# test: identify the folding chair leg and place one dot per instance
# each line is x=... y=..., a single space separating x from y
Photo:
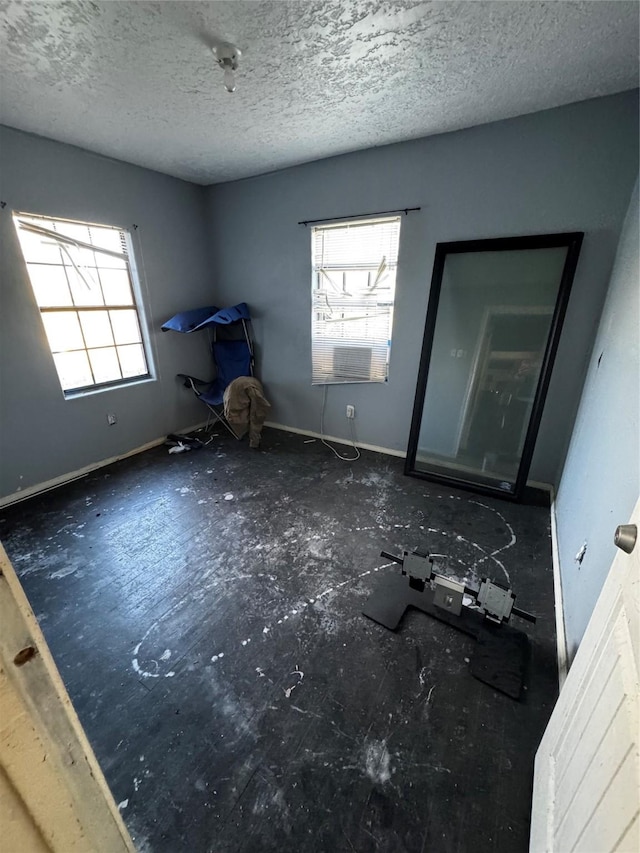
x=217 y=416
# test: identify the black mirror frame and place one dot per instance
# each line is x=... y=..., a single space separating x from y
x=573 y=242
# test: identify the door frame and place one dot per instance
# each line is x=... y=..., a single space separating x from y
x=55 y=790
x=572 y=241
x=490 y=312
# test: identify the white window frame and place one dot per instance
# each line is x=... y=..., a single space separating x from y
x=360 y=313
x=45 y=226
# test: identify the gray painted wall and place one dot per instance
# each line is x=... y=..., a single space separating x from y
x=42 y=435
x=566 y=169
x=601 y=478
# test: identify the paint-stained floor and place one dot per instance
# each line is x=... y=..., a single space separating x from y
x=204 y=612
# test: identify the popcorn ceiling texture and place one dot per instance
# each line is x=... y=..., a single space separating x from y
x=137 y=81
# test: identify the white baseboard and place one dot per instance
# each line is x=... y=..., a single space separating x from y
x=29 y=492
x=376 y=448
x=561 y=635
x=335 y=440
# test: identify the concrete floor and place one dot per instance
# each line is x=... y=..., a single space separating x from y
x=204 y=610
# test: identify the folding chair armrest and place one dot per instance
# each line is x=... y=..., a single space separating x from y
x=196 y=385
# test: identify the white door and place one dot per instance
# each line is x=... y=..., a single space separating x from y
x=586 y=795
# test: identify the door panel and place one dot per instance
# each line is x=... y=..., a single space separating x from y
x=587 y=775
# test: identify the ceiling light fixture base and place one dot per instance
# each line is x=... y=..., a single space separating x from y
x=227 y=56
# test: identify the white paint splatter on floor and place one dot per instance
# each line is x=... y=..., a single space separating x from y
x=151 y=669
x=64 y=572
x=300 y=674
x=377 y=761
x=145 y=673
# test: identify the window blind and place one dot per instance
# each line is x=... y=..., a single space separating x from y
x=354 y=275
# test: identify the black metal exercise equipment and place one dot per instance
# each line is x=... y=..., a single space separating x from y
x=501 y=655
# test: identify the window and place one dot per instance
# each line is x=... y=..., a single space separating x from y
x=354 y=277
x=83 y=280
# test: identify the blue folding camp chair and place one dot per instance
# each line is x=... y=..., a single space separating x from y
x=231 y=350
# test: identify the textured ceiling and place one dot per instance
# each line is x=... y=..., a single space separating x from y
x=137 y=80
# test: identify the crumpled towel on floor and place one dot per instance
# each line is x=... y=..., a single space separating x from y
x=245 y=407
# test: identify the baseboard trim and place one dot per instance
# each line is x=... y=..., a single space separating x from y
x=376 y=448
x=561 y=636
x=39 y=488
x=388 y=451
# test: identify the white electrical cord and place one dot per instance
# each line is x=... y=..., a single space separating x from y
x=326 y=443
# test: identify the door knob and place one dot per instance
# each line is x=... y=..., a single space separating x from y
x=625 y=537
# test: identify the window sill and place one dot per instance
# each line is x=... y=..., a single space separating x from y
x=114 y=386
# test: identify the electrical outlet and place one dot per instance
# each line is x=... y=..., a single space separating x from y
x=112 y=419
x=351 y=411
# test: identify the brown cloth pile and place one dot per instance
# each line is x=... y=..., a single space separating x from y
x=245 y=408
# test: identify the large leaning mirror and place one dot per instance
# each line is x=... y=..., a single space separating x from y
x=493 y=324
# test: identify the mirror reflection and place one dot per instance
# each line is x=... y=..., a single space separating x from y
x=492 y=327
